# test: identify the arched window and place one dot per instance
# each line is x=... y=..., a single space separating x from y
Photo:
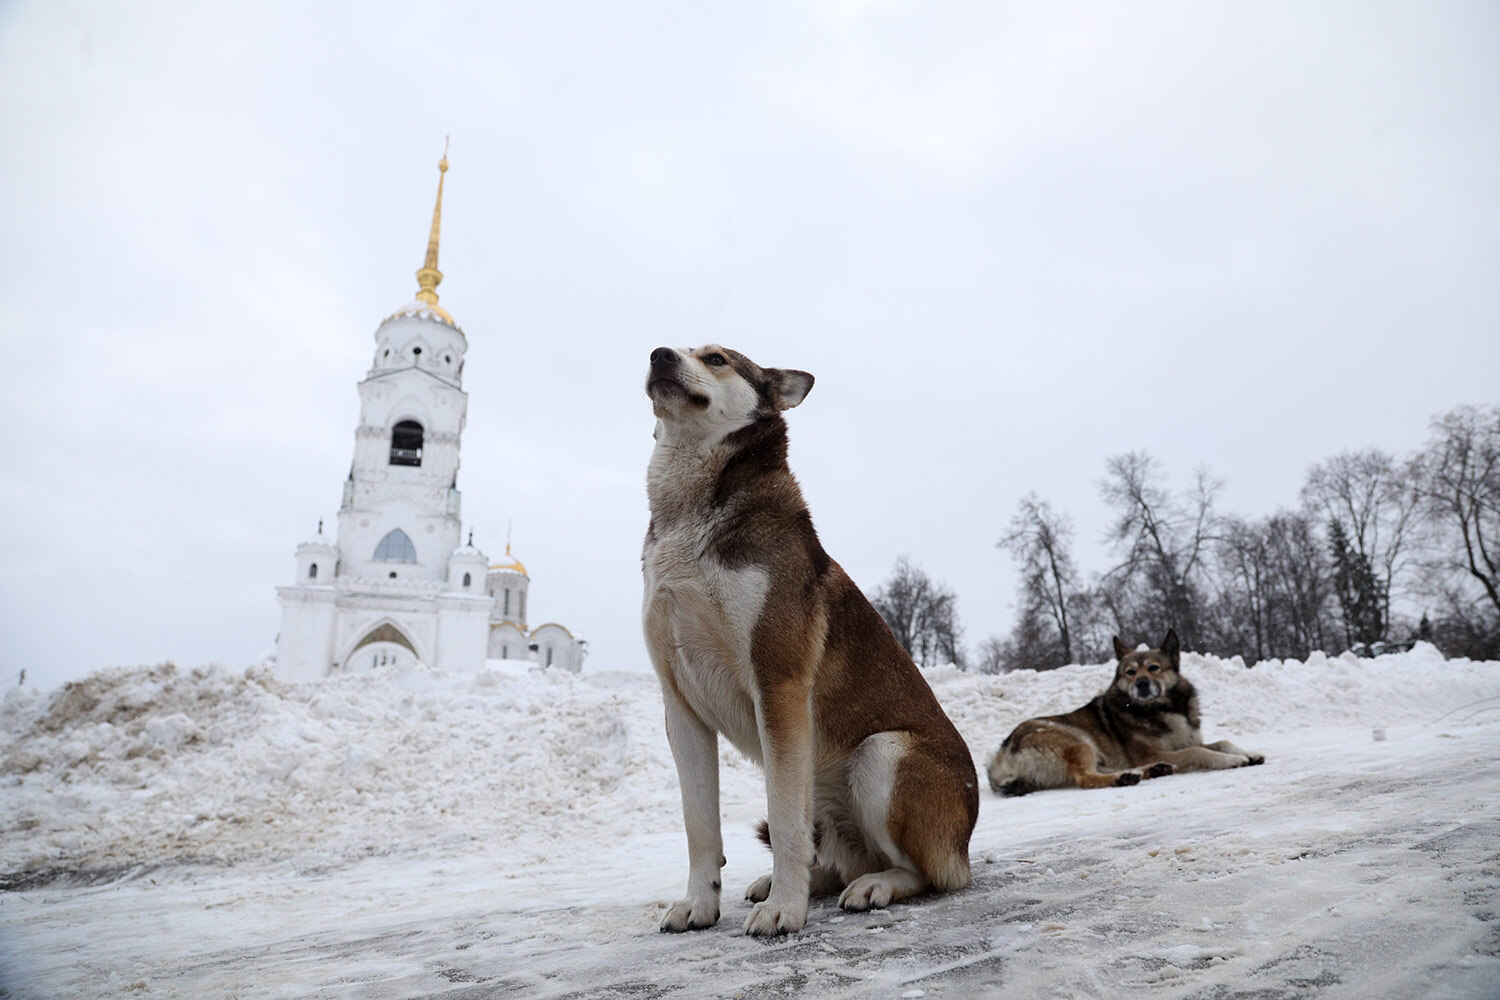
x=406 y=443
x=467 y=580
x=312 y=571
x=396 y=547
x=506 y=612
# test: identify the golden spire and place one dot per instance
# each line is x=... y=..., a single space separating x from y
x=428 y=276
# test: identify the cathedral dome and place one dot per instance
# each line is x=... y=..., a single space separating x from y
x=468 y=552
x=423 y=310
x=510 y=564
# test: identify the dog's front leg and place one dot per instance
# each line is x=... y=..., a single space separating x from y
x=695 y=749
x=1201 y=758
x=784 y=717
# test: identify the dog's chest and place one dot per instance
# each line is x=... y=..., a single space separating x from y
x=700 y=615
x=702 y=593
x=1179 y=733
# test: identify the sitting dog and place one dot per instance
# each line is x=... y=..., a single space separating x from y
x=1144 y=725
x=757 y=634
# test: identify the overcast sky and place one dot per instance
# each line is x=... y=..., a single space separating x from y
x=1010 y=240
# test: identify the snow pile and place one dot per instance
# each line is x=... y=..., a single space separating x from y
x=160 y=763
x=213 y=764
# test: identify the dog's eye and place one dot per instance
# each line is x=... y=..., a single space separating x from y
x=1153 y=668
x=717 y=360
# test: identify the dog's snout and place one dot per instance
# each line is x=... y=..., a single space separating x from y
x=1143 y=688
x=663 y=357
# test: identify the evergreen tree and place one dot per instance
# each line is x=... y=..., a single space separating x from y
x=1360 y=595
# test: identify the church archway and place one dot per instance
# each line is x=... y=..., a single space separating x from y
x=385 y=632
x=384 y=645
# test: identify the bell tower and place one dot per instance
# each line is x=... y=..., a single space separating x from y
x=399 y=518
x=398 y=585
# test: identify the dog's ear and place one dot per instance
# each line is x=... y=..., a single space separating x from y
x=1172 y=647
x=1121 y=650
x=789 y=386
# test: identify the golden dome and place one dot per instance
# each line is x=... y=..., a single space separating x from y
x=510 y=564
x=424 y=310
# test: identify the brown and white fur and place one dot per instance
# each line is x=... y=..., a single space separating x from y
x=1144 y=725
x=757 y=634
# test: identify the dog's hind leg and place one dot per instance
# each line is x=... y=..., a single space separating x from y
x=915 y=814
x=1083 y=769
x=878 y=890
x=695 y=749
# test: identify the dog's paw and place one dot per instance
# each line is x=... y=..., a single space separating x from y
x=690 y=915
x=768 y=919
x=1127 y=778
x=1160 y=770
x=759 y=889
x=868 y=892
x=1254 y=758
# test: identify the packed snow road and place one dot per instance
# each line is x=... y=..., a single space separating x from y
x=1345 y=866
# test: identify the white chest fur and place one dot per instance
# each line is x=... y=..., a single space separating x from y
x=700 y=618
x=1180 y=734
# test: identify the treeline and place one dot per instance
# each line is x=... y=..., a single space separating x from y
x=1378 y=549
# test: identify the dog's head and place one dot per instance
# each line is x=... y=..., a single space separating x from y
x=1150 y=675
x=713 y=391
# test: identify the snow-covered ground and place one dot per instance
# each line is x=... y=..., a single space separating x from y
x=213 y=833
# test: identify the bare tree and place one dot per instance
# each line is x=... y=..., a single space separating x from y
x=1301 y=579
x=1459 y=484
x=1370 y=496
x=1041 y=540
x=990 y=658
x=922 y=614
x=1164 y=542
x=1273 y=589
x=1243 y=620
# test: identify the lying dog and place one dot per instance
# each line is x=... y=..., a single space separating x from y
x=757 y=634
x=1144 y=725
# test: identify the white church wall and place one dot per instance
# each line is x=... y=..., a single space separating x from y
x=304 y=646
x=433 y=534
x=556 y=647
x=462 y=632
x=321 y=555
x=509 y=591
x=507 y=642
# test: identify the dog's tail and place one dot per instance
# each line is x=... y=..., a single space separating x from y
x=1013 y=787
x=763 y=832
